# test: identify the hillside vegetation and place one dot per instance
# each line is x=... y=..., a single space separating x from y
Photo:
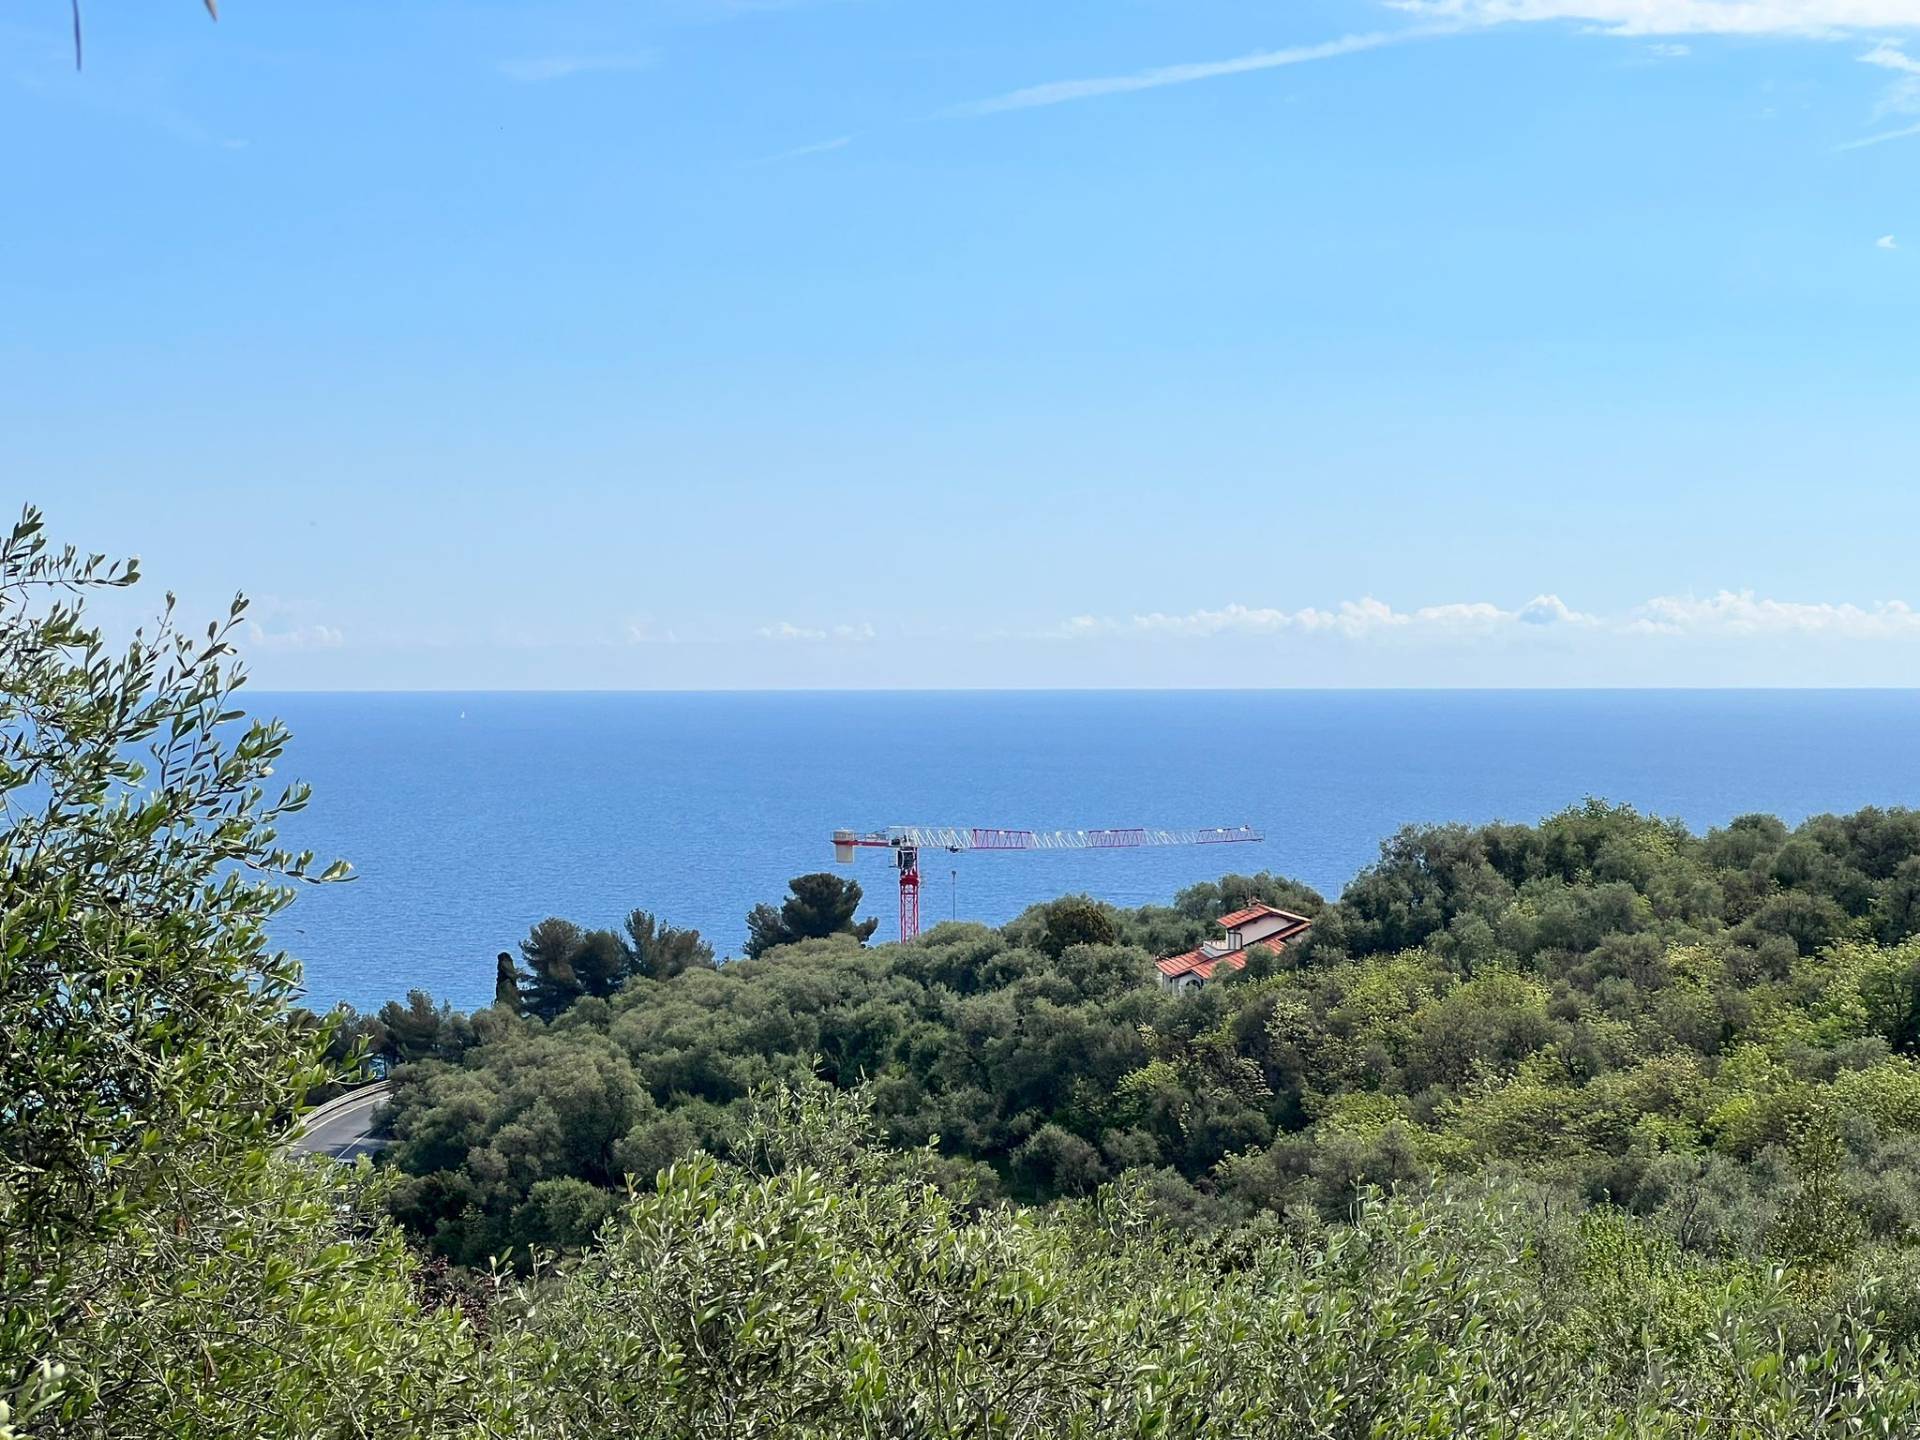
x=1714 y=1032
x=1586 y=1129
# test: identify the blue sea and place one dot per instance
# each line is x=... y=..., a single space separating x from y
x=468 y=817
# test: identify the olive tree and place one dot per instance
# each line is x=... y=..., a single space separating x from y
x=161 y=1265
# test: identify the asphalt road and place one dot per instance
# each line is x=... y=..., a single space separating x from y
x=344 y=1132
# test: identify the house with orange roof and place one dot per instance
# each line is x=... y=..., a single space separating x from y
x=1259 y=926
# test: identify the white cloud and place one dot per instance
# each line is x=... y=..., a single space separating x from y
x=1683 y=17
x=1823 y=19
x=1350 y=619
x=299 y=637
x=643 y=631
x=1742 y=613
x=786 y=630
x=1902 y=96
x=1477 y=615
x=1887 y=242
x=1889 y=56
x=1059 y=92
x=1550 y=610
x=1906 y=132
x=1726 y=613
x=839 y=142
x=537 y=69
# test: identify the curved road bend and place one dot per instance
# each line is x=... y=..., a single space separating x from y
x=343 y=1128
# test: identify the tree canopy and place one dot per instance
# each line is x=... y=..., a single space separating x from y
x=821 y=905
x=567 y=963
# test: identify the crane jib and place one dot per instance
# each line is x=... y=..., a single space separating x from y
x=907 y=841
x=936 y=837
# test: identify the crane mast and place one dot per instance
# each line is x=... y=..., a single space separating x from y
x=907 y=841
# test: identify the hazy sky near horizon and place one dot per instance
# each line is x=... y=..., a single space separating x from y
x=739 y=343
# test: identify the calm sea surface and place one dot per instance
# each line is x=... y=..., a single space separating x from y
x=469 y=817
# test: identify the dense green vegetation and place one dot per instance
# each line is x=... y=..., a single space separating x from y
x=1715 y=1032
x=1585 y=1129
x=162 y=1271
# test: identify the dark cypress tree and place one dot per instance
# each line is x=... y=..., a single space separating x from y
x=506 y=982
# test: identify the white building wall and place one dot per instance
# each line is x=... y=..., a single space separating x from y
x=1259 y=928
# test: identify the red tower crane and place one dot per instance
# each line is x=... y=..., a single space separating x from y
x=907 y=841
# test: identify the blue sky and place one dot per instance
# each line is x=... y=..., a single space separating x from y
x=714 y=343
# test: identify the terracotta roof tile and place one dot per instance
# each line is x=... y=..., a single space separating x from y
x=1179 y=964
x=1198 y=962
x=1255 y=912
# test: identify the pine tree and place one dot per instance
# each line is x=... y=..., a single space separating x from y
x=821 y=904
